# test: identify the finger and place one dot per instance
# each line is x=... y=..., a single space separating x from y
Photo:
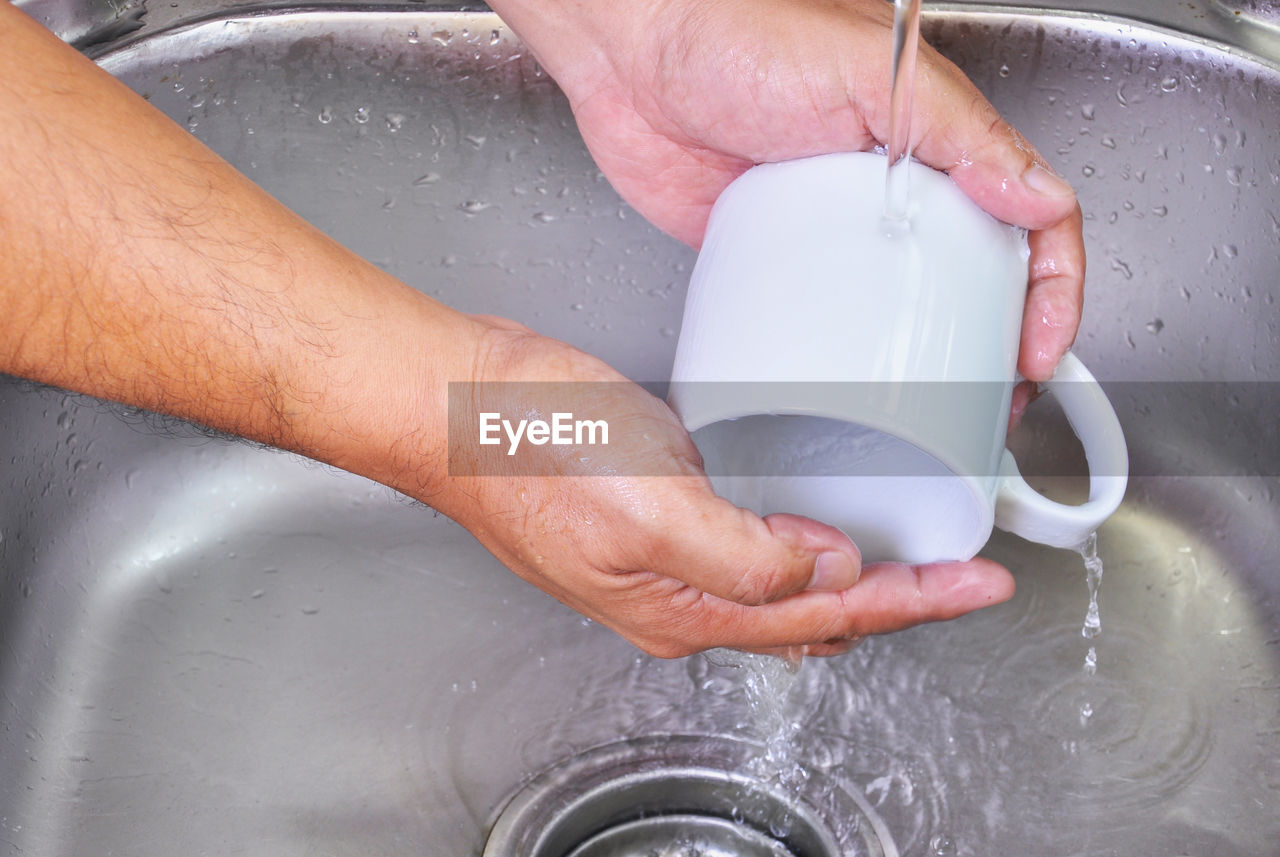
x=961 y=133
x=825 y=649
x=891 y=596
x=1023 y=395
x=1055 y=296
x=888 y=597
x=833 y=649
x=735 y=555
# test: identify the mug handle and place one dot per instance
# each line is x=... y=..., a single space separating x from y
x=1025 y=512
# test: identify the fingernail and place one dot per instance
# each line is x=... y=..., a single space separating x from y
x=1046 y=183
x=833 y=571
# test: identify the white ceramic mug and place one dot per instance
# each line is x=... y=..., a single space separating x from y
x=829 y=369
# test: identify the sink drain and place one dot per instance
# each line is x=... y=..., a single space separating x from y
x=704 y=835
x=682 y=796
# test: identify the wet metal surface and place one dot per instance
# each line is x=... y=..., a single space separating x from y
x=210 y=648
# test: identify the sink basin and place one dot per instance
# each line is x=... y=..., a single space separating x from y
x=211 y=648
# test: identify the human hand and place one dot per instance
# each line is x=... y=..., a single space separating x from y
x=634 y=537
x=675 y=99
x=249 y=320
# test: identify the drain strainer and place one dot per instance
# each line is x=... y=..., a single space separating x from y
x=682 y=796
x=677 y=835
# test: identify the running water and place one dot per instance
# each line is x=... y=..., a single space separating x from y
x=1093 y=578
x=906 y=41
x=768 y=683
x=1092 y=620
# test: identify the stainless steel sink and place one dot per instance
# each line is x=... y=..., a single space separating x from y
x=210 y=648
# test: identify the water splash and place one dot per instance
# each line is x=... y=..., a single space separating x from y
x=768 y=684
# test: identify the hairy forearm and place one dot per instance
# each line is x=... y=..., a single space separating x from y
x=136 y=265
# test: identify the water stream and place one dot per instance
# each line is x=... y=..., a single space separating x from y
x=770 y=717
x=1092 y=619
x=906 y=40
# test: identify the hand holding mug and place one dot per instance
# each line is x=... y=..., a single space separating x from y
x=833 y=367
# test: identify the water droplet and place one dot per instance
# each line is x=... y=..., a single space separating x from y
x=1109 y=142
x=1230 y=251
x=257 y=593
x=474 y=206
x=494 y=37
x=575 y=307
x=1233 y=176
x=1155 y=326
x=1086 y=112
x=1091 y=661
x=1169 y=84
x=395 y=121
x=1004 y=70
x=362 y=115
x=543 y=217
x=413 y=36
x=1123 y=267
x=667 y=332
x=442 y=37
x=1219 y=143
x=310 y=610
x=1160 y=210
x=1087 y=170
x=1086 y=711
x=326 y=115
x=476 y=140
x=942 y=846
x=429 y=178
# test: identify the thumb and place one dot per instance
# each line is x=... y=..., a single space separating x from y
x=736 y=555
x=962 y=134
